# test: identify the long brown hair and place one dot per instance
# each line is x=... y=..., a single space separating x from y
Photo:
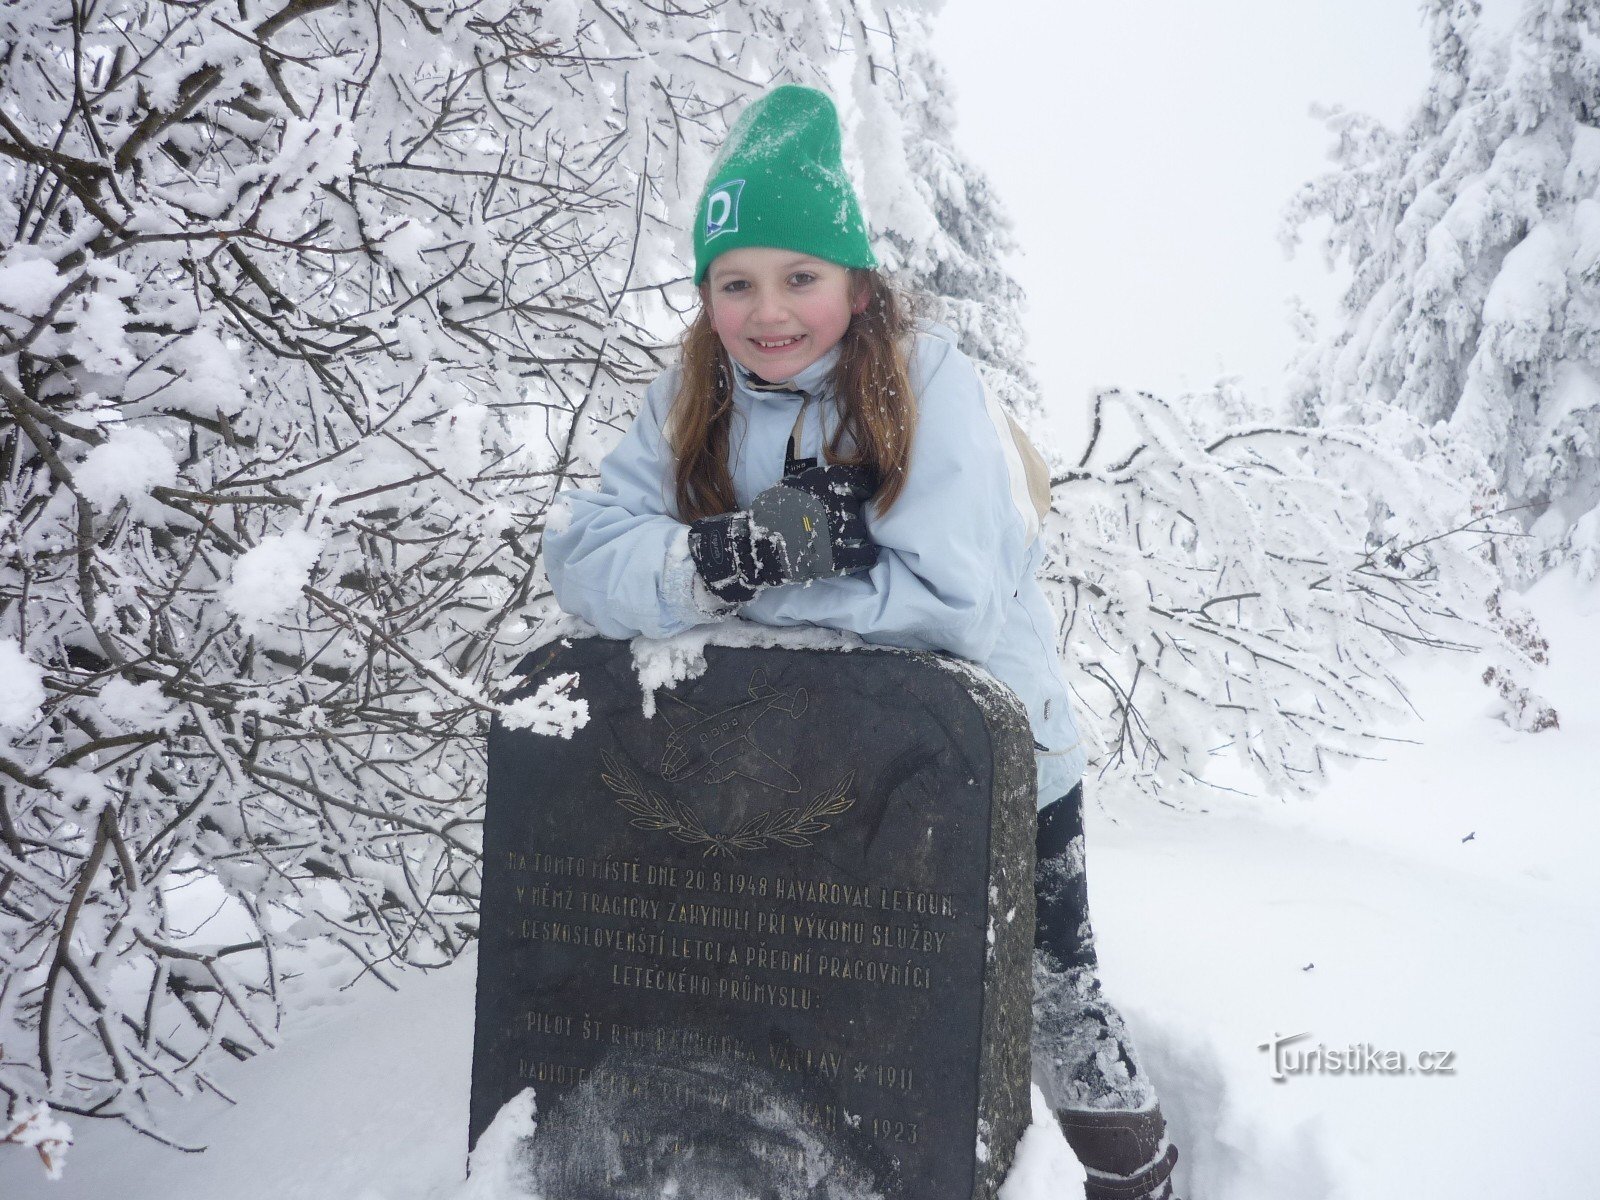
x=872 y=381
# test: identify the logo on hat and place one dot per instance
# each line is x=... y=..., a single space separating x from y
x=722 y=209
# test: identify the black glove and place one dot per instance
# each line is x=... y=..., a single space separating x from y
x=841 y=490
x=807 y=527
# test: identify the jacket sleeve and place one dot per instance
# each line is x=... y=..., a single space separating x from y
x=953 y=546
x=617 y=557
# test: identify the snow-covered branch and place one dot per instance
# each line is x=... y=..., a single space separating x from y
x=306 y=311
x=1225 y=590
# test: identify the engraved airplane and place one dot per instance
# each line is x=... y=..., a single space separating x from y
x=717 y=746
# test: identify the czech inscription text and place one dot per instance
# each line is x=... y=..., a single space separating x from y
x=741 y=937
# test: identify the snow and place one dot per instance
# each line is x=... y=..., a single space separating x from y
x=1527 y=297
x=551 y=710
x=206 y=378
x=559 y=516
x=137 y=705
x=126 y=466
x=1441 y=899
x=267 y=578
x=560 y=18
x=1045 y=1167
x=1364 y=915
x=21 y=686
x=1574 y=396
x=1583 y=171
x=98 y=323
x=367 y=1102
x=494 y=1159
x=1586 y=228
x=667 y=662
x=47 y=1136
x=404 y=246
x=28 y=286
x=458 y=444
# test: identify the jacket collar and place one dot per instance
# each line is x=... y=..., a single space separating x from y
x=812 y=381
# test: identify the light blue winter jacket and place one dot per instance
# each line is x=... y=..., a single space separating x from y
x=959 y=548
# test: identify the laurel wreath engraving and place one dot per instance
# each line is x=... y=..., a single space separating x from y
x=787 y=826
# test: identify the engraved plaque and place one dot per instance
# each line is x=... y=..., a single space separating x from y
x=773 y=939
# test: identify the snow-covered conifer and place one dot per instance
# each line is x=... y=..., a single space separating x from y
x=1473 y=238
x=943 y=228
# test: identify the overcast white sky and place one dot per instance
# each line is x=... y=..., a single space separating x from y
x=1146 y=151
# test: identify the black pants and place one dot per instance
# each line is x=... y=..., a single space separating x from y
x=1083 y=1057
x=1079 y=1037
x=1061 y=889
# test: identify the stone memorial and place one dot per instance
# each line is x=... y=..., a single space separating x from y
x=765 y=933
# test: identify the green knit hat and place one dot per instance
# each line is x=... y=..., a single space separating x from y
x=780 y=181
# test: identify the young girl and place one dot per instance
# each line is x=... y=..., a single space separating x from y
x=816 y=461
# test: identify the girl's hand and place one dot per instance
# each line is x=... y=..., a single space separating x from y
x=808 y=527
x=841 y=491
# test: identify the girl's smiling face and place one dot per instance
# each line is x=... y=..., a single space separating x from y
x=778 y=311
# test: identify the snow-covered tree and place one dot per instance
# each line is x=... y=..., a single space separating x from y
x=944 y=231
x=307 y=308
x=1473 y=239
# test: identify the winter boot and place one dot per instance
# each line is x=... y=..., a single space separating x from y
x=1125 y=1154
